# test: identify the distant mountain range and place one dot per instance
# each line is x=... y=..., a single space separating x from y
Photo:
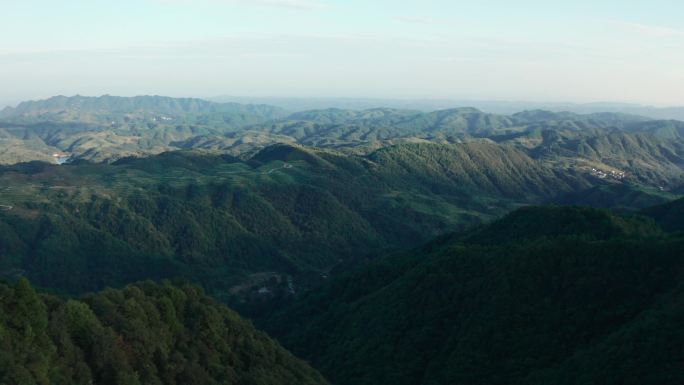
x=108 y=128
x=492 y=106
x=83 y=107
x=296 y=104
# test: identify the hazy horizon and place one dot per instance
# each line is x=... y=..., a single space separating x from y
x=341 y=101
x=531 y=51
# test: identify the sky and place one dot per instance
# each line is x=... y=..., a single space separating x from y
x=523 y=50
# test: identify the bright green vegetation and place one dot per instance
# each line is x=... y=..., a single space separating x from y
x=143 y=334
x=606 y=145
x=546 y=295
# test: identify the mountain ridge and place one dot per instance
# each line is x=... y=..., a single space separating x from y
x=119 y=104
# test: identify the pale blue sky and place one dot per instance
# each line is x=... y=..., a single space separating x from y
x=580 y=51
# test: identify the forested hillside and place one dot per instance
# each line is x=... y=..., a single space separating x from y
x=143 y=334
x=385 y=246
x=237 y=226
x=668 y=215
x=544 y=296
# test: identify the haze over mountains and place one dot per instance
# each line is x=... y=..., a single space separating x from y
x=295 y=104
x=109 y=128
x=382 y=245
x=492 y=106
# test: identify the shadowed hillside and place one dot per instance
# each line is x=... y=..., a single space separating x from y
x=543 y=296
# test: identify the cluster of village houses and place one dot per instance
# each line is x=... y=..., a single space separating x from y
x=605 y=174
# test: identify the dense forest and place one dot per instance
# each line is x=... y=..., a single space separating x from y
x=280 y=220
x=382 y=246
x=145 y=333
x=547 y=295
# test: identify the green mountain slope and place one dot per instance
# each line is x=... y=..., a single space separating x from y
x=286 y=212
x=620 y=196
x=143 y=334
x=642 y=157
x=530 y=223
x=606 y=145
x=668 y=215
x=546 y=295
x=347 y=127
x=336 y=127
x=503 y=170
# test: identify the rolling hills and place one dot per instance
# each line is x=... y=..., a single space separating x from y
x=107 y=128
